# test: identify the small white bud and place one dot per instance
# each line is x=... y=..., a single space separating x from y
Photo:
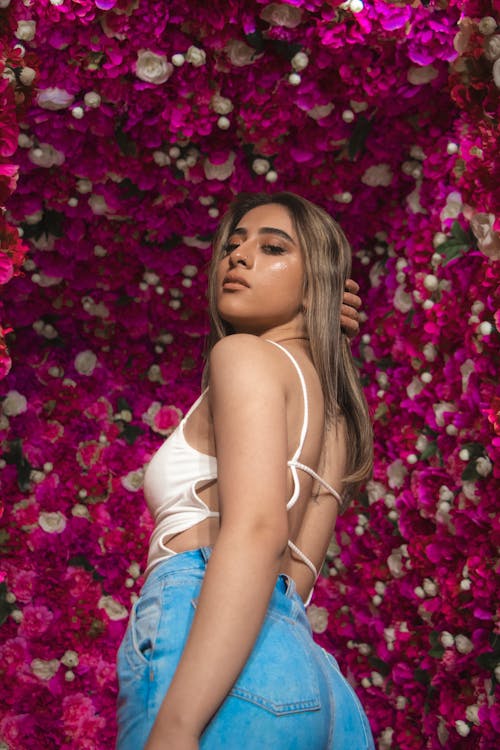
x=300 y=61
x=485 y=328
x=348 y=115
x=178 y=60
x=271 y=176
x=294 y=79
x=78 y=113
x=431 y=282
x=462 y=728
x=223 y=123
x=464 y=454
x=356 y=6
x=452 y=148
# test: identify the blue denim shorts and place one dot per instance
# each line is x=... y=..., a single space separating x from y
x=289 y=696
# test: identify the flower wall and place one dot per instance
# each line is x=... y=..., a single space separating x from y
x=148 y=118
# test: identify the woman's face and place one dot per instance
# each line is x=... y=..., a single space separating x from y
x=261 y=272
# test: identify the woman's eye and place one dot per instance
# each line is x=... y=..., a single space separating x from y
x=273 y=249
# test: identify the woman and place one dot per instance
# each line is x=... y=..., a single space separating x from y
x=245 y=494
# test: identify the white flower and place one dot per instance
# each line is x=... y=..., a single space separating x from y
x=45 y=155
x=196 y=56
x=84 y=186
x=133 y=480
x=26 y=30
x=282 y=14
x=260 y=166
x=92 y=99
x=402 y=300
x=27 y=76
x=419 y=74
x=431 y=282
x=318 y=618
x=14 y=403
x=240 y=53
x=320 y=111
x=113 y=609
x=52 y=523
x=219 y=171
x=487 y=25
x=462 y=728
x=85 y=362
x=70 y=659
x=300 y=61
x=413 y=199
x=54 y=98
x=447 y=639
x=396 y=472
x=453 y=206
x=152 y=68
x=463 y=644
x=44 y=669
x=440 y=409
x=375 y=491
x=483 y=466
x=466 y=370
x=221 y=104
x=492 y=47
x=98 y=204
x=378 y=174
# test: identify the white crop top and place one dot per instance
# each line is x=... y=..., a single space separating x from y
x=177 y=468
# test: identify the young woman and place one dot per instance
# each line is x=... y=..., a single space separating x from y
x=245 y=493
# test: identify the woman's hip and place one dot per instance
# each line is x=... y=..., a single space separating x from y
x=289 y=694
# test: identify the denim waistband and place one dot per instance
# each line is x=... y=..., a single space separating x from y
x=192 y=564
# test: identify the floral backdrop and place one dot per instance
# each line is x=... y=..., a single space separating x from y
x=126 y=126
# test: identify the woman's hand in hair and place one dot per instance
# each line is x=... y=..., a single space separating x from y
x=349 y=315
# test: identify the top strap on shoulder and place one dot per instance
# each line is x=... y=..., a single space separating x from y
x=305 y=423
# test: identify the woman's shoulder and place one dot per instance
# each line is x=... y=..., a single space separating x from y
x=239 y=348
x=244 y=358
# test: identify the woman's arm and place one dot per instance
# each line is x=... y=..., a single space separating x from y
x=247 y=396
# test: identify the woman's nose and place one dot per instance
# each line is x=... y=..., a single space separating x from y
x=239 y=256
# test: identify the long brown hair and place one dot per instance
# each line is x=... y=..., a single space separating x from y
x=327 y=264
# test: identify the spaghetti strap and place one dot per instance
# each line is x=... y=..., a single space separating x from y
x=193 y=406
x=322 y=481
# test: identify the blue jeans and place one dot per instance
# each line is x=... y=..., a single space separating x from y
x=290 y=694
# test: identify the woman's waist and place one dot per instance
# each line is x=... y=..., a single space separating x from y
x=187 y=569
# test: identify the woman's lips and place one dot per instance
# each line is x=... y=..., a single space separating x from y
x=234 y=282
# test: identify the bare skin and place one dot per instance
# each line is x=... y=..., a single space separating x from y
x=251 y=419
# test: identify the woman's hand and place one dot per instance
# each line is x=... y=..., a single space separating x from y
x=349 y=315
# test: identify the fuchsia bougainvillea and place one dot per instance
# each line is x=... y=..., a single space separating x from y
x=148 y=117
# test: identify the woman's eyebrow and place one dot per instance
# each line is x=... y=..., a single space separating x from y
x=241 y=231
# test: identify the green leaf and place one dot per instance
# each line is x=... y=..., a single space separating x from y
x=470 y=472
x=16 y=456
x=381 y=411
x=459 y=233
x=379 y=665
x=358 y=138
x=130 y=433
x=255 y=40
x=123 y=404
x=422 y=676
x=489 y=660
x=5 y=607
x=430 y=450
x=125 y=143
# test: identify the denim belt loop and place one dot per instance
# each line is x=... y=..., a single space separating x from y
x=205 y=553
